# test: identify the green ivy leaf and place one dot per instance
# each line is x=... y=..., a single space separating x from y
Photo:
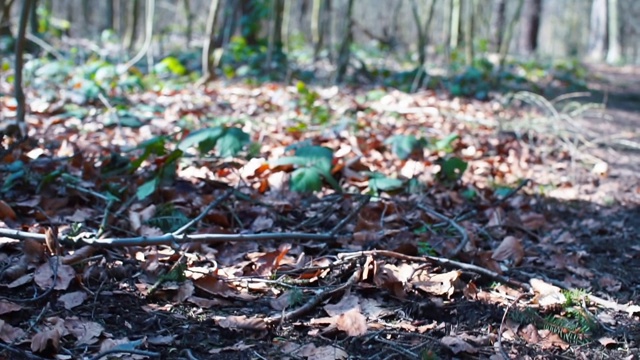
x=382 y=183
x=306 y=180
x=172 y=65
x=147 y=189
x=204 y=139
x=232 y=141
x=402 y=145
x=453 y=168
x=445 y=144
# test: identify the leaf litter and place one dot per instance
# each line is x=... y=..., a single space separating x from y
x=226 y=220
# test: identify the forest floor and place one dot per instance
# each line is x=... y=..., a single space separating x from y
x=483 y=267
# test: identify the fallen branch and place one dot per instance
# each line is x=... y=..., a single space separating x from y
x=460 y=229
x=439 y=261
x=168 y=239
x=314 y=301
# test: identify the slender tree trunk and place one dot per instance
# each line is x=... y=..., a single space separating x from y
x=614 y=52
x=19 y=61
x=286 y=26
x=344 y=52
x=5 y=20
x=109 y=16
x=207 y=65
x=422 y=29
x=188 y=14
x=132 y=24
x=275 y=31
x=469 y=7
x=508 y=34
x=454 y=35
x=33 y=18
x=148 y=37
x=497 y=24
x=530 y=26
x=597 y=31
x=86 y=16
x=317 y=35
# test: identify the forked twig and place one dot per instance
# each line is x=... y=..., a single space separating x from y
x=458 y=227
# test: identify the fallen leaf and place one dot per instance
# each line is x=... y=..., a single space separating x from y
x=352 y=322
x=72 y=299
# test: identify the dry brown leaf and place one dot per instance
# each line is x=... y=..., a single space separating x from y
x=347 y=303
x=86 y=332
x=547 y=294
x=78 y=255
x=439 y=284
x=72 y=299
x=509 y=249
x=241 y=346
x=43 y=275
x=7 y=307
x=6 y=212
x=457 y=345
x=261 y=223
x=241 y=322
x=9 y=334
x=352 y=322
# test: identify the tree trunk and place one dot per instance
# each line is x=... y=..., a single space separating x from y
x=508 y=34
x=344 y=53
x=614 y=51
x=108 y=16
x=597 y=31
x=5 y=20
x=188 y=14
x=132 y=24
x=422 y=29
x=454 y=34
x=530 y=26
x=469 y=7
x=33 y=18
x=497 y=24
x=250 y=22
x=275 y=30
x=207 y=65
x=19 y=61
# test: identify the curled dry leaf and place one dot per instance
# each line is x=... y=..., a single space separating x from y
x=509 y=249
x=352 y=322
x=51 y=241
x=547 y=294
x=44 y=276
x=78 y=255
x=86 y=332
x=7 y=307
x=6 y=212
x=72 y=299
x=9 y=334
x=242 y=323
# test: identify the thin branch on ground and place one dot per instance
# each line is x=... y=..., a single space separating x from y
x=439 y=261
x=126 y=351
x=217 y=202
x=504 y=318
x=315 y=300
x=458 y=227
x=349 y=217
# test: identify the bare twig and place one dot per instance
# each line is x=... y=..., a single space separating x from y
x=314 y=301
x=460 y=229
x=504 y=318
x=126 y=351
x=436 y=260
x=355 y=212
x=217 y=202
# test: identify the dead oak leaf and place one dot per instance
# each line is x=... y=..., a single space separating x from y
x=44 y=275
x=72 y=299
x=352 y=322
x=9 y=334
x=7 y=307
